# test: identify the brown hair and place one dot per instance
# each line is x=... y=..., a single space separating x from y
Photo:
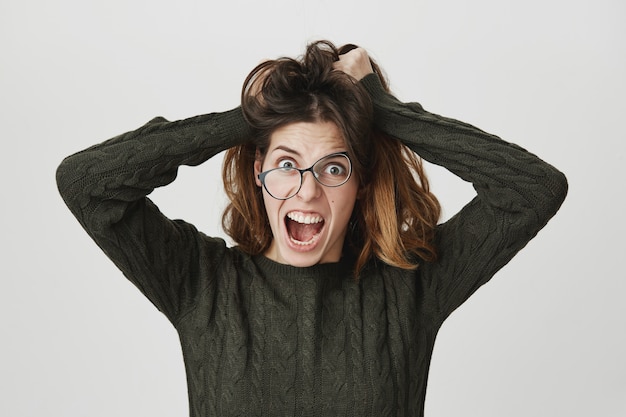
x=395 y=215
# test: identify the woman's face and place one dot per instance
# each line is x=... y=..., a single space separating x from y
x=310 y=227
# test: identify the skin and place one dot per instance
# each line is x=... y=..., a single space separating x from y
x=306 y=143
x=303 y=144
x=355 y=63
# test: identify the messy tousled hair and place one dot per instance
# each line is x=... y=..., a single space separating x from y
x=395 y=215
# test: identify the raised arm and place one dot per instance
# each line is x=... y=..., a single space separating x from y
x=517 y=193
x=105 y=187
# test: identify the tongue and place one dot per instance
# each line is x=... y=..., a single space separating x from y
x=303 y=232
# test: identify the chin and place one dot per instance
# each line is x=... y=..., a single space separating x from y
x=299 y=259
x=299 y=256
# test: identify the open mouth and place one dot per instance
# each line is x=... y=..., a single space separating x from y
x=304 y=229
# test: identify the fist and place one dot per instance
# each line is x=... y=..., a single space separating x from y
x=355 y=63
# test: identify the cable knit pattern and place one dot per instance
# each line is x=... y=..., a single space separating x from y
x=265 y=339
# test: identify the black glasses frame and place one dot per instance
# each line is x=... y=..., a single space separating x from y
x=263 y=174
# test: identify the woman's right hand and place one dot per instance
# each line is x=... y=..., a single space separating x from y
x=355 y=63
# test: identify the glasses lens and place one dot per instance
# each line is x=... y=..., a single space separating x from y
x=282 y=183
x=333 y=170
x=330 y=171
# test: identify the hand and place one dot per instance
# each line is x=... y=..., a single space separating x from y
x=355 y=63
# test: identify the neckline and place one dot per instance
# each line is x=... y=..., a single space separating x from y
x=342 y=268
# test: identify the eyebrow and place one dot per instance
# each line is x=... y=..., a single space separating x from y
x=286 y=149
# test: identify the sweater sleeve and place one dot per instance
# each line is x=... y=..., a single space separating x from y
x=517 y=193
x=105 y=187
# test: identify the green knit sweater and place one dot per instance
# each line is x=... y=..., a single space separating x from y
x=265 y=339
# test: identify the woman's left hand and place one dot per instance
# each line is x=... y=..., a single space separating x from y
x=355 y=63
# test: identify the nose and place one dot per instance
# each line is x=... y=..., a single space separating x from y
x=310 y=188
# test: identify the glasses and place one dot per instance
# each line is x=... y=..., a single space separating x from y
x=285 y=181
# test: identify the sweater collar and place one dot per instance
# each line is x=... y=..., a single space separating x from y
x=341 y=269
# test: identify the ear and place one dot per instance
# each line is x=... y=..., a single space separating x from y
x=258 y=164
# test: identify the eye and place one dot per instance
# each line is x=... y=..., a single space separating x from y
x=335 y=169
x=286 y=163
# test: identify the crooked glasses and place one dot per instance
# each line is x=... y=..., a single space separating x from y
x=285 y=181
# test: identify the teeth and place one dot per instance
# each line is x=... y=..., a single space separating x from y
x=304 y=219
x=297 y=242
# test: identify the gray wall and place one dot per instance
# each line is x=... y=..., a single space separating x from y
x=544 y=338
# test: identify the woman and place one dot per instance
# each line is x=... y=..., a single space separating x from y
x=331 y=301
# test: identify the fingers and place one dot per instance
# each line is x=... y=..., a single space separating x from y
x=355 y=63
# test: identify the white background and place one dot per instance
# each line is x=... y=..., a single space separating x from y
x=545 y=338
